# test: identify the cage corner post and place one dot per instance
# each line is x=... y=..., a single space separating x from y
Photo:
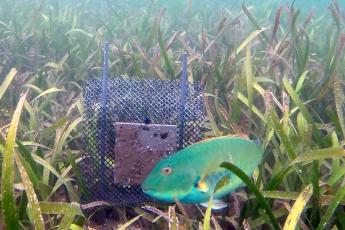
x=183 y=99
x=103 y=116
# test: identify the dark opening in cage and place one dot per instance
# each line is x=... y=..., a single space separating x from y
x=128 y=125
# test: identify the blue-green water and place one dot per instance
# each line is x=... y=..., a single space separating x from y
x=261 y=9
x=304 y=5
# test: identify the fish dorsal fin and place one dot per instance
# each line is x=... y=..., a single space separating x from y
x=241 y=135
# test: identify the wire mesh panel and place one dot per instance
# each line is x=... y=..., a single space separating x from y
x=139 y=101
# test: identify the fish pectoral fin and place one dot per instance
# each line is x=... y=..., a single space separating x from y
x=216 y=204
x=212 y=182
x=202 y=186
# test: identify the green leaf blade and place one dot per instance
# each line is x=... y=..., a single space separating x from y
x=252 y=187
x=33 y=203
x=8 y=79
x=331 y=209
x=7 y=176
x=298 y=207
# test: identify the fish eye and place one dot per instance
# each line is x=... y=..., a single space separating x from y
x=166 y=170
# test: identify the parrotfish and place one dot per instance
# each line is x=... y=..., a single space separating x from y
x=191 y=174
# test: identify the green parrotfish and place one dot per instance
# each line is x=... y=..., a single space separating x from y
x=191 y=174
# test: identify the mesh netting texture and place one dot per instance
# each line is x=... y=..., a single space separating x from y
x=132 y=100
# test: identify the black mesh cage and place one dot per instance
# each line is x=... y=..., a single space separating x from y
x=132 y=100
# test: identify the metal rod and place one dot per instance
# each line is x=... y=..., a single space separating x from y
x=105 y=74
x=103 y=113
x=183 y=100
